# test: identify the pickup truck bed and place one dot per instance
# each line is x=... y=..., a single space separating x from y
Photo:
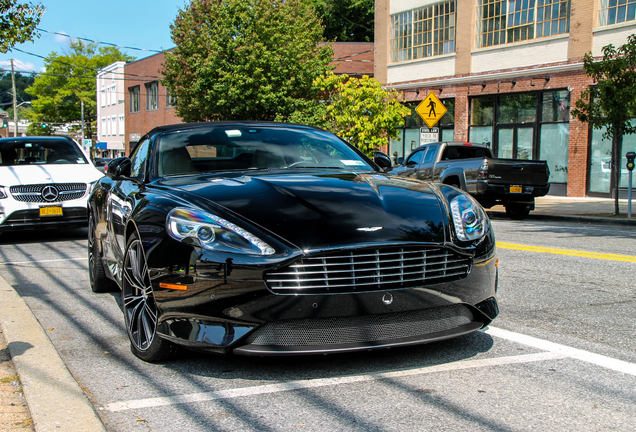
x=514 y=183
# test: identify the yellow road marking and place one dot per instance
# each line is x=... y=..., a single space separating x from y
x=567 y=252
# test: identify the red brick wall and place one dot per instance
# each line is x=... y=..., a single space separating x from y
x=138 y=74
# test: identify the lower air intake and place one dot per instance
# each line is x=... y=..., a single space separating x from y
x=360 y=329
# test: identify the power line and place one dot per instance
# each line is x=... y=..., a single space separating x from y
x=98 y=42
x=84 y=67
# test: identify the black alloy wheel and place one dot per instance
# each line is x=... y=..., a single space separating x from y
x=100 y=283
x=140 y=308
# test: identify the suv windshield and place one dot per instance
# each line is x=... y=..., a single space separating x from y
x=40 y=152
x=245 y=148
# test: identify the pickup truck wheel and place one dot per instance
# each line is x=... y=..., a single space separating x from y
x=517 y=211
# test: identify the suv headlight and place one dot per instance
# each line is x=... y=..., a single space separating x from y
x=469 y=218
x=3 y=192
x=212 y=232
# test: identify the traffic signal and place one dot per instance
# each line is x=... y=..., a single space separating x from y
x=5 y=123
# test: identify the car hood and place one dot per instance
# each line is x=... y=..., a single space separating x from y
x=49 y=173
x=327 y=209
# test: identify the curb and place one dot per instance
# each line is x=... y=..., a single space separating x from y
x=568 y=218
x=55 y=399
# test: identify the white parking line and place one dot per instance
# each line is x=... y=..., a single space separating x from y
x=323 y=382
x=586 y=356
x=44 y=261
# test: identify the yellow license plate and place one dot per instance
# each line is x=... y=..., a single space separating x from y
x=516 y=189
x=51 y=211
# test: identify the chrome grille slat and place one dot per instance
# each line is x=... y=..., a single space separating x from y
x=369 y=270
x=463 y=266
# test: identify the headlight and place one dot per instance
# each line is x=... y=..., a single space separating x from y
x=3 y=192
x=212 y=232
x=469 y=218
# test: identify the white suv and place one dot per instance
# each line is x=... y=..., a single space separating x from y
x=44 y=183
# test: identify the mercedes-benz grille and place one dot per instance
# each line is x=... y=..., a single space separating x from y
x=363 y=270
x=48 y=193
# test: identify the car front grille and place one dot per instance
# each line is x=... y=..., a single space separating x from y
x=361 y=329
x=364 y=270
x=55 y=192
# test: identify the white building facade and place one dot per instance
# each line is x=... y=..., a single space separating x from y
x=111 y=122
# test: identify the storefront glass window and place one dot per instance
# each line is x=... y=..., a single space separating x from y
x=482 y=111
x=554 y=140
x=481 y=135
x=600 y=162
x=517 y=108
x=555 y=106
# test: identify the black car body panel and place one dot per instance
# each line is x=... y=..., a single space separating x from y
x=359 y=258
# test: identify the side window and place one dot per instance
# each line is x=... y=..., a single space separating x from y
x=430 y=154
x=416 y=157
x=139 y=159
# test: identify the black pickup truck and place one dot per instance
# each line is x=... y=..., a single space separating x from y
x=514 y=183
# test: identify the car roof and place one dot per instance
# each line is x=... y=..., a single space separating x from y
x=35 y=138
x=183 y=126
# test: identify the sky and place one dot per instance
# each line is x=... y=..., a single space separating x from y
x=143 y=24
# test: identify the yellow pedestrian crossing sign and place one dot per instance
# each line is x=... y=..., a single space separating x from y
x=431 y=109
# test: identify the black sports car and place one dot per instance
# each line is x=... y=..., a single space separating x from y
x=272 y=239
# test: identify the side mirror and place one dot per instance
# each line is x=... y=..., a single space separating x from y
x=382 y=160
x=119 y=168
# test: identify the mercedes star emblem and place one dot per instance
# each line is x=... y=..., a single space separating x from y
x=50 y=193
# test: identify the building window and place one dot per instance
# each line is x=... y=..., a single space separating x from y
x=121 y=124
x=171 y=100
x=508 y=21
x=103 y=126
x=103 y=97
x=152 y=96
x=423 y=32
x=133 y=93
x=616 y=11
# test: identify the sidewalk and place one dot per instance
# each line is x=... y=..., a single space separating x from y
x=57 y=403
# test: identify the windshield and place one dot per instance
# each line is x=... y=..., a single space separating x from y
x=40 y=152
x=245 y=148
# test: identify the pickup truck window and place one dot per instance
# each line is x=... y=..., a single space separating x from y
x=430 y=154
x=415 y=157
x=464 y=152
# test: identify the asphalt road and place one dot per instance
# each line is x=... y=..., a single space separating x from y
x=561 y=356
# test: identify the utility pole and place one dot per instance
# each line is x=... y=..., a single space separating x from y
x=15 y=107
x=82 y=105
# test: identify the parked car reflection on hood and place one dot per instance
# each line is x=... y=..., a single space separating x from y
x=261 y=238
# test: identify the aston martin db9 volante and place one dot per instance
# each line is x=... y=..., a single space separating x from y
x=44 y=183
x=276 y=239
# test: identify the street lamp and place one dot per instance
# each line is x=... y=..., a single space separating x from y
x=15 y=116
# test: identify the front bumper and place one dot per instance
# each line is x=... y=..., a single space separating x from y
x=242 y=316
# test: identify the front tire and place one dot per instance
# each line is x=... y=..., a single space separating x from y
x=100 y=283
x=140 y=308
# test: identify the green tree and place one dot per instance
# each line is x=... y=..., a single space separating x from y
x=358 y=110
x=347 y=20
x=611 y=102
x=70 y=80
x=21 y=83
x=18 y=23
x=244 y=59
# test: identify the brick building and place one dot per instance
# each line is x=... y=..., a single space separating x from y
x=508 y=72
x=148 y=104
